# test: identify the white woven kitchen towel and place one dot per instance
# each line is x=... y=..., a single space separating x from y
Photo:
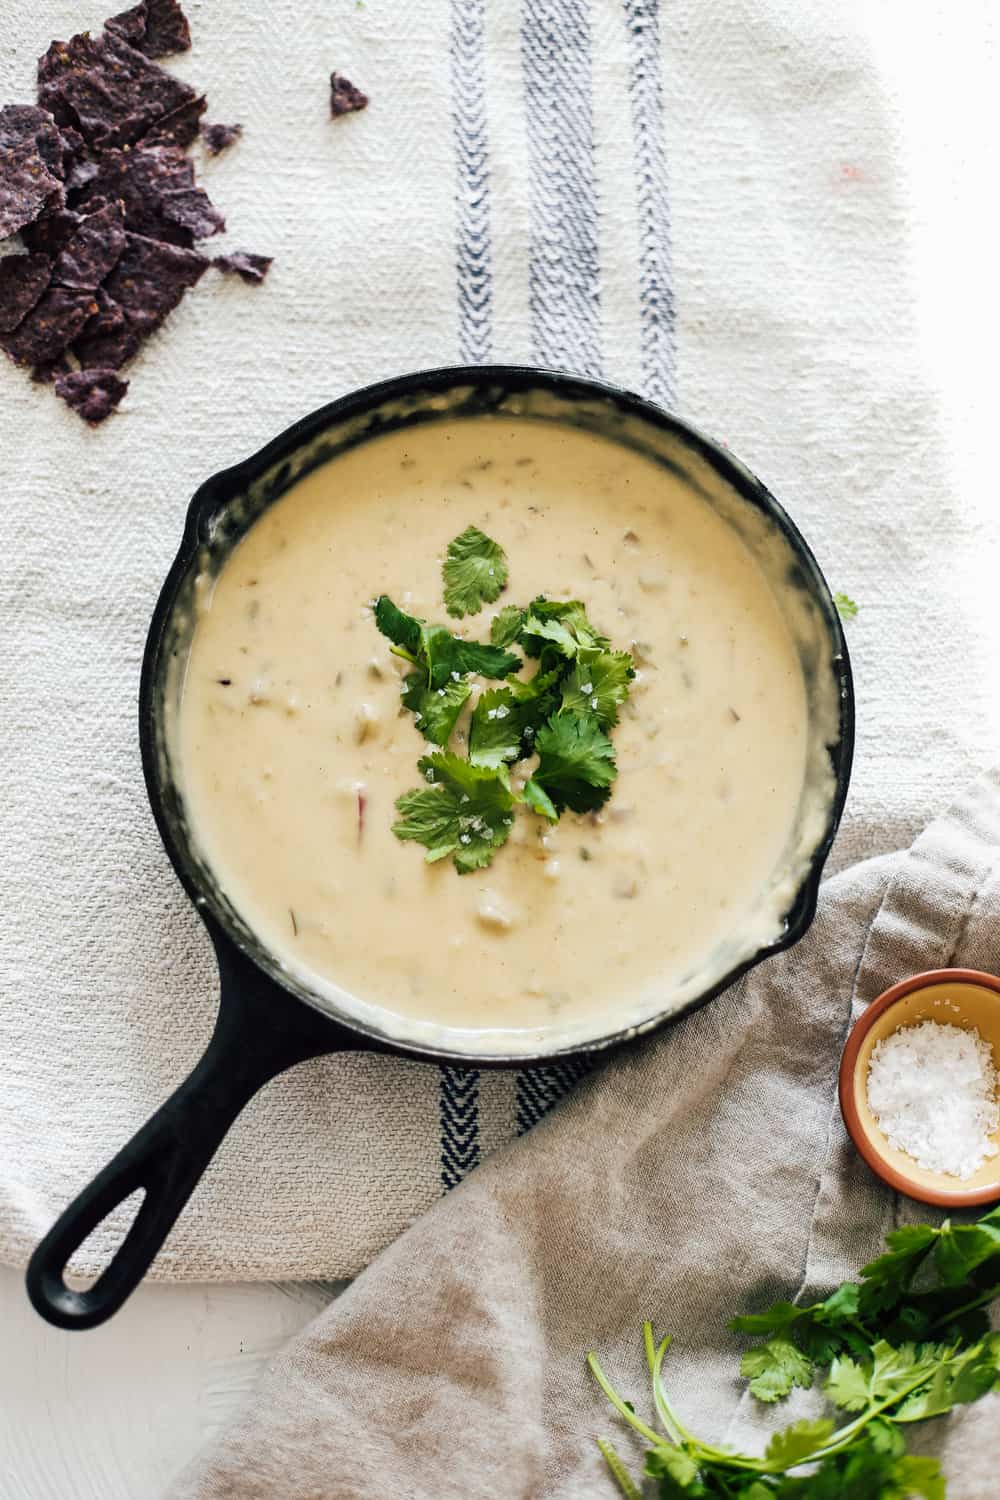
x=700 y=200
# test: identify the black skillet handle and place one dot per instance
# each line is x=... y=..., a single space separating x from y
x=259 y=1033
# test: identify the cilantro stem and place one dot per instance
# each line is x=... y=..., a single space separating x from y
x=406 y=655
x=648 y=1433
x=967 y=1307
x=654 y=1358
x=618 y=1471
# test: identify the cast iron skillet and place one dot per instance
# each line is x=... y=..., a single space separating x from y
x=267 y=1020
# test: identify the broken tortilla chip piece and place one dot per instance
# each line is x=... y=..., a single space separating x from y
x=31 y=153
x=345 y=99
x=50 y=327
x=92 y=393
x=156 y=28
x=179 y=128
x=218 y=137
x=157 y=190
x=93 y=251
x=23 y=279
x=105 y=89
x=146 y=285
x=244 y=263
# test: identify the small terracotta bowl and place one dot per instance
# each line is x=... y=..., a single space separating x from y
x=957 y=997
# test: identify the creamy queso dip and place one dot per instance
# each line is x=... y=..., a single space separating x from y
x=293 y=745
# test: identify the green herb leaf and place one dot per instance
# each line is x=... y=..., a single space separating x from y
x=506 y=626
x=774 y=1368
x=779 y=1316
x=561 y=622
x=962 y=1248
x=797 y=1444
x=887 y=1279
x=496 y=729
x=676 y=1471
x=436 y=709
x=539 y=800
x=846 y=607
x=576 y=762
x=598 y=684
x=447 y=654
x=402 y=629
x=475 y=571
x=464 y=810
x=848 y=1385
x=965 y=1376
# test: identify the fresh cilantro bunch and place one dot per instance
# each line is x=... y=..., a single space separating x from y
x=562 y=713
x=910 y=1340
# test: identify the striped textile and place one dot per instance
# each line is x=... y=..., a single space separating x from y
x=700 y=201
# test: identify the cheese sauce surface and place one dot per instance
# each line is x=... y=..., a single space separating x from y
x=293 y=745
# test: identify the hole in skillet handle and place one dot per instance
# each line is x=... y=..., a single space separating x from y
x=260 y=1031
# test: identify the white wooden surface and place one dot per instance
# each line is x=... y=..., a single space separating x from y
x=114 y=1414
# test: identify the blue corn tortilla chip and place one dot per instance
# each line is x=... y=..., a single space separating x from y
x=31 y=155
x=92 y=252
x=218 y=137
x=244 y=263
x=179 y=128
x=344 y=97
x=23 y=279
x=156 y=188
x=50 y=327
x=106 y=90
x=50 y=234
x=155 y=28
x=146 y=285
x=92 y=393
x=106 y=339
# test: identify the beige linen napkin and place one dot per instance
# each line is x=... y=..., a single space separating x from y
x=702 y=1173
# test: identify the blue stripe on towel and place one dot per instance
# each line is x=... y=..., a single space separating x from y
x=473 y=249
x=656 y=296
x=564 y=274
x=459 y=1088
x=564 y=280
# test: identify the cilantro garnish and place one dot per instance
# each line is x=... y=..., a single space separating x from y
x=846 y=607
x=434 y=649
x=576 y=762
x=436 y=709
x=507 y=624
x=464 y=810
x=598 y=684
x=561 y=713
x=475 y=571
x=563 y=623
x=893 y=1356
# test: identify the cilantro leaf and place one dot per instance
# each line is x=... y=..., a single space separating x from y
x=846 y=607
x=436 y=650
x=965 y=1376
x=676 y=1470
x=797 y=1444
x=885 y=1281
x=962 y=1248
x=465 y=810
x=576 y=762
x=598 y=684
x=564 y=623
x=848 y=1384
x=495 y=731
x=475 y=571
x=779 y=1316
x=436 y=709
x=402 y=629
x=774 y=1368
x=506 y=626
x=446 y=653
x=538 y=799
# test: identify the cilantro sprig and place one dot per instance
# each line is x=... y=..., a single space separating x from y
x=562 y=713
x=908 y=1341
x=475 y=572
